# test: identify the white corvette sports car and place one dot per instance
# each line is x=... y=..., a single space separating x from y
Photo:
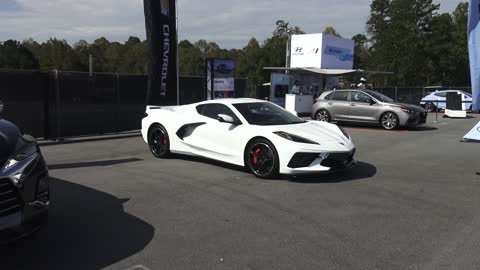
x=257 y=134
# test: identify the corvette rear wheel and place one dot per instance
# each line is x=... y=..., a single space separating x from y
x=158 y=141
x=261 y=159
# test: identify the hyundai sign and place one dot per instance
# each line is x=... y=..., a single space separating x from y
x=321 y=51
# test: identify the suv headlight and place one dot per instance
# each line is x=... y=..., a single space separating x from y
x=407 y=110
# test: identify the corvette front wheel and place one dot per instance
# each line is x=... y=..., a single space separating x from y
x=158 y=141
x=261 y=159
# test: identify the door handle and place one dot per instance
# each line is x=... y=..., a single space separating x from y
x=330 y=103
x=353 y=105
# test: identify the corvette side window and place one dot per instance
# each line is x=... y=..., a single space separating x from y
x=200 y=109
x=213 y=110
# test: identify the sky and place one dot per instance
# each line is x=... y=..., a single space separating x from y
x=229 y=23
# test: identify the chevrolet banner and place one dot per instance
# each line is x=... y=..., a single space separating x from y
x=160 y=23
x=474 y=50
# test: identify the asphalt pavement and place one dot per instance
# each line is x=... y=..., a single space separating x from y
x=412 y=202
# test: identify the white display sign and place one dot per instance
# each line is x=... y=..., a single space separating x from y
x=321 y=51
x=474 y=134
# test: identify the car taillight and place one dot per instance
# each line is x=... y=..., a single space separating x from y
x=315 y=101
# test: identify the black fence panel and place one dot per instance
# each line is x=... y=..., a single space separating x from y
x=192 y=89
x=240 y=87
x=88 y=104
x=133 y=94
x=25 y=96
x=61 y=104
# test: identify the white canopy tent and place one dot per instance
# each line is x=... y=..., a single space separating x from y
x=329 y=72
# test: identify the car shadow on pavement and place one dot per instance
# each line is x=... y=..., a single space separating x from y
x=422 y=128
x=92 y=164
x=361 y=170
x=86 y=229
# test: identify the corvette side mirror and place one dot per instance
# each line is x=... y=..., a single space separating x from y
x=223 y=118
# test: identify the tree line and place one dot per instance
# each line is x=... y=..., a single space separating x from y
x=407 y=37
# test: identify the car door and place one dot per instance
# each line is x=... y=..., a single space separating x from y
x=362 y=108
x=338 y=105
x=215 y=139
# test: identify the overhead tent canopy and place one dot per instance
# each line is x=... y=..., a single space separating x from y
x=329 y=72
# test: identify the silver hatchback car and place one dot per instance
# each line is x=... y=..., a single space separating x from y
x=366 y=106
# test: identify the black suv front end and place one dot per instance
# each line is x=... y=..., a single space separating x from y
x=24 y=184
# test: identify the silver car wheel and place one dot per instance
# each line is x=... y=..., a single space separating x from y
x=389 y=121
x=323 y=116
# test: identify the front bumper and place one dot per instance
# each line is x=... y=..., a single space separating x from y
x=19 y=215
x=315 y=162
x=412 y=119
x=24 y=203
x=419 y=118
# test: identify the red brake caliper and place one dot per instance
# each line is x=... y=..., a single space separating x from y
x=164 y=141
x=255 y=158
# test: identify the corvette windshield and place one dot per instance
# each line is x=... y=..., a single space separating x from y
x=379 y=96
x=266 y=114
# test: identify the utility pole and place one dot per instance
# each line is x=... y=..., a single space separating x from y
x=90 y=64
x=282 y=27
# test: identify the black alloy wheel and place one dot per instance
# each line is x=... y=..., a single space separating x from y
x=261 y=159
x=389 y=121
x=158 y=141
x=323 y=115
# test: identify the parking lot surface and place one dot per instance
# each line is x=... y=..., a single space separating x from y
x=412 y=202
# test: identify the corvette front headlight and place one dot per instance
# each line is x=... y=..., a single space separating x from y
x=294 y=138
x=344 y=132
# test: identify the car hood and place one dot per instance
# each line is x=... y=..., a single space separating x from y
x=313 y=130
x=405 y=105
x=9 y=135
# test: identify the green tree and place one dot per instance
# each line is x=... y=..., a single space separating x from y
x=329 y=30
x=57 y=54
x=459 y=51
x=82 y=50
x=399 y=30
x=14 y=55
x=361 y=51
x=191 y=60
x=439 y=68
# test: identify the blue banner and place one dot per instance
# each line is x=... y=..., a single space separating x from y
x=474 y=50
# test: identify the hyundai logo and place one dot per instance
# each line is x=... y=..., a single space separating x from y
x=299 y=49
x=341 y=143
